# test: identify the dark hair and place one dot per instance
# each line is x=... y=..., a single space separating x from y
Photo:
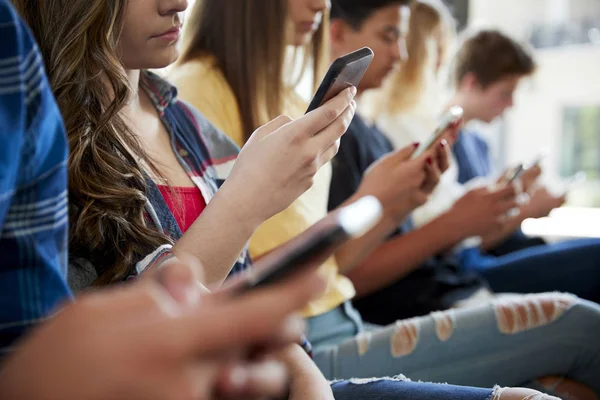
x=491 y=56
x=355 y=12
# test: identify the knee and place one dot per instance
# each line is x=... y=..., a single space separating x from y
x=520 y=394
x=521 y=313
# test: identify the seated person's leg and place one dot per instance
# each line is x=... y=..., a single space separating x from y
x=507 y=343
x=570 y=266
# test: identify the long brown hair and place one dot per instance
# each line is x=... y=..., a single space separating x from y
x=406 y=87
x=248 y=41
x=107 y=187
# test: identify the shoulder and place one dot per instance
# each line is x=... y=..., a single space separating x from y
x=201 y=78
x=203 y=85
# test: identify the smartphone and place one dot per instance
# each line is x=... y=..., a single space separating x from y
x=514 y=174
x=453 y=115
x=316 y=244
x=346 y=71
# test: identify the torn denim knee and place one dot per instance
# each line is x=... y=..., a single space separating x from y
x=500 y=393
x=523 y=313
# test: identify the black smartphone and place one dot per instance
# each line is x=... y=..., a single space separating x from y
x=346 y=71
x=313 y=246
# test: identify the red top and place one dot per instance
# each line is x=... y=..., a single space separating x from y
x=186 y=204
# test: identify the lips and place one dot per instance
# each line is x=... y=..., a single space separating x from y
x=172 y=34
x=308 y=26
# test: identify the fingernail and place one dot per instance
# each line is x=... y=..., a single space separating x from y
x=353 y=90
x=416 y=144
x=238 y=378
x=444 y=143
x=429 y=161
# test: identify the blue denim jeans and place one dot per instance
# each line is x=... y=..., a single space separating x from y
x=383 y=389
x=509 y=342
x=572 y=266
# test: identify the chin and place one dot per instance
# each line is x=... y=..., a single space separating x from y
x=302 y=39
x=163 y=60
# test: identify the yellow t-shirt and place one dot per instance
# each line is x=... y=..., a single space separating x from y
x=203 y=85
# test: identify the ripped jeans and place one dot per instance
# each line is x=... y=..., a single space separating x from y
x=510 y=342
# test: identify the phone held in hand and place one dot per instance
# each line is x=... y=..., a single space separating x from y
x=513 y=174
x=315 y=245
x=452 y=116
x=345 y=72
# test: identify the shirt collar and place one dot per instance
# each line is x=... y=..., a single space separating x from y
x=161 y=93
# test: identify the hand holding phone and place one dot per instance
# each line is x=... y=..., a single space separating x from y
x=512 y=175
x=451 y=117
x=346 y=71
x=313 y=247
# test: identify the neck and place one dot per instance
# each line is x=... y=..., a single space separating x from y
x=460 y=100
x=133 y=76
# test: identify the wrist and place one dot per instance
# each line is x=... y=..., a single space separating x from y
x=238 y=208
x=454 y=226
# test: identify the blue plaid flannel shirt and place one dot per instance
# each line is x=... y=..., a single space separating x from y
x=33 y=182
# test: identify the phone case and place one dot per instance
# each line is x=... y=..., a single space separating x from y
x=346 y=71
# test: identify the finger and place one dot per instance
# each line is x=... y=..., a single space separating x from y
x=505 y=193
x=405 y=153
x=443 y=154
x=317 y=120
x=246 y=319
x=432 y=174
x=182 y=281
x=336 y=129
x=329 y=153
x=265 y=379
x=271 y=126
x=455 y=130
x=400 y=159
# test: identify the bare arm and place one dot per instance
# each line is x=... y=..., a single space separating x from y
x=400 y=256
x=273 y=169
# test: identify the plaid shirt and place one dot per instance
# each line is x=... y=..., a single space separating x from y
x=206 y=154
x=33 y=182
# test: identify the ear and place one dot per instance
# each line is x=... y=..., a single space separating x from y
x=338 y=31
x=469 y=83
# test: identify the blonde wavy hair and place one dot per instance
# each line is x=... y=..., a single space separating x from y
x=432 y=32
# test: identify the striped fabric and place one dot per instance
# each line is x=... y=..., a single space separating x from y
x=33 y=181
x=204 y=152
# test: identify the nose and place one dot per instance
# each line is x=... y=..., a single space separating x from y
x=320 y=5
x=510 y=102
x=170 y=7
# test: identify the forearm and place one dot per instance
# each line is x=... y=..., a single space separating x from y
x=354 y=251
x=218 y=236
x=399 y=256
